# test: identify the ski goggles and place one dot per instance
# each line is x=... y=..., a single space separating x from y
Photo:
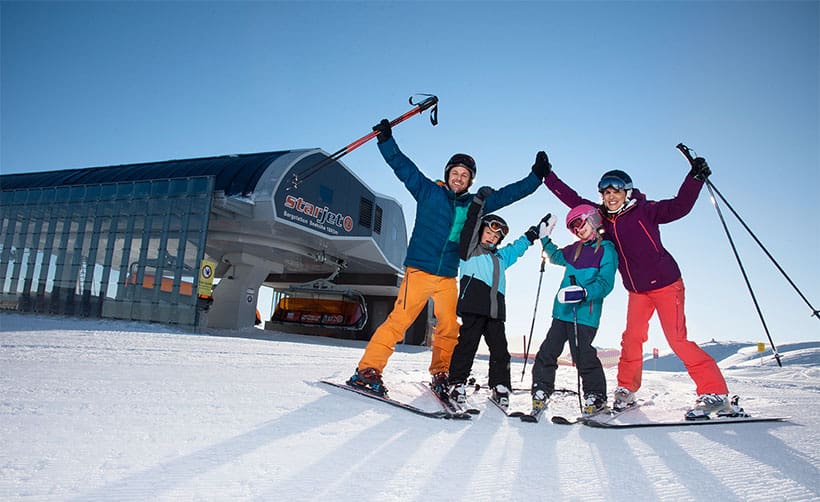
x=611 y=182
x=577 y=223
x=461 y=159
x=497 y=226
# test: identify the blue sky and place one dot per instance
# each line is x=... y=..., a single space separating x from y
x=598 y=85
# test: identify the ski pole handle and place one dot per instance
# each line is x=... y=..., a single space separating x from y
x=431 y=101
x=687 y=152
x=419 y=107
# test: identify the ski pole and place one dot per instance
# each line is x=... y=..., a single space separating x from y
x=815 y=312
x=688 y=154
x=576 y=359
x=534 y=310
x=430 y=102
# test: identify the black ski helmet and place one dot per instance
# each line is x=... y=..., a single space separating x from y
x=463 y=160
x=496 y=224
x=616 y=179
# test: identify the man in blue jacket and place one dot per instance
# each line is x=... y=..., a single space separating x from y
x=431 y=265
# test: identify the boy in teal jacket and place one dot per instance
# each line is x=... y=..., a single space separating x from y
x=481 y=301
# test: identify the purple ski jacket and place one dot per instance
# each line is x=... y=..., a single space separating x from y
x=644 y=264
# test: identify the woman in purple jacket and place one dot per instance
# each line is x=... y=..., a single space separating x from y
x=652 y=279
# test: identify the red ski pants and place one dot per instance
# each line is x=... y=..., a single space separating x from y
x=668 y=301
x=416 y=288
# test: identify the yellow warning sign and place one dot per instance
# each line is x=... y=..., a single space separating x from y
x=206 y=278
x=761 y=347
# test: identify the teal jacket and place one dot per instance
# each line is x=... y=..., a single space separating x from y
x=440 y=213
x=594 y=270
x=483 y=283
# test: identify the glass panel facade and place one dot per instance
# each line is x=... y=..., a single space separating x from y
x=115 y=250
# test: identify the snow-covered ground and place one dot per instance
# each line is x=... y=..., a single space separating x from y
x=100 y=410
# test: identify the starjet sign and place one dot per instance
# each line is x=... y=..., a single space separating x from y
x=320 y=218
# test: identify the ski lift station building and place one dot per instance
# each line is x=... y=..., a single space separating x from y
x=191 y=242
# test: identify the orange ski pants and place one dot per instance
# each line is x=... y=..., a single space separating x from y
x=668 y=301
x=416 y=288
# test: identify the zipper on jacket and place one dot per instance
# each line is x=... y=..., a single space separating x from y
x=466 y=286
x=649 y=236
x=626 y=262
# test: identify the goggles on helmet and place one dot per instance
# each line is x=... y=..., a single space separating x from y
x=611 y=182
x=497 y=226
x=577 y=223
x=461 y=159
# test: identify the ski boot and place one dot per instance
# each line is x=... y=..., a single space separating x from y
x=706 y=404
x=458 y=393
x=501 y=395
x=623 y=398
x=439 y=384
x=369 y=379
x=734 y=409
x=594 y=403
x=539 y=402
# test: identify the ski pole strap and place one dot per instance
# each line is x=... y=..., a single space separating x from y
x=430 y=101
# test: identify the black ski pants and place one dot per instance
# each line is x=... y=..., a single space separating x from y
x=585 y=358
x=472 y=327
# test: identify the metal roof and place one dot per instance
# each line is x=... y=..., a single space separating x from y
x=234 y=174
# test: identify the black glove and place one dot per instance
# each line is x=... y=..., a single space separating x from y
x=483 y=193
x=384 y=129
x=700 y=169
x=531 y=234
x=542 y=166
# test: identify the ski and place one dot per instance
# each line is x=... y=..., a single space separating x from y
x=451 y=406
x=532 y=417
x=506 y=411
x=602 y=417
x=399 y=404
x=681 y=423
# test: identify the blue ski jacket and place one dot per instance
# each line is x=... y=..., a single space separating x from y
x=440 y=213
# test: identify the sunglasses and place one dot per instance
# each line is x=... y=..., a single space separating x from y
x=611 y=182
x=498 y=227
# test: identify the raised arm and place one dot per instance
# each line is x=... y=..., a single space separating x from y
x=561 y=190
x=407 y=171
x=470 y=236
x=519 y=189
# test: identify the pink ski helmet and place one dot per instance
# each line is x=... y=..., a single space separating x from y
x=581 y=214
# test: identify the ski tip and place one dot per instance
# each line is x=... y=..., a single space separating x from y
x=531 y=419
x=561 y=420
